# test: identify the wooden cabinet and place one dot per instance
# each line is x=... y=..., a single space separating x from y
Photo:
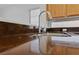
x=62 y=10
x=72 y=9
x=57 y=10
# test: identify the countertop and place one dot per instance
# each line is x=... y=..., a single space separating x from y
x=11 y=41
x=60 y=39
x=66 y=41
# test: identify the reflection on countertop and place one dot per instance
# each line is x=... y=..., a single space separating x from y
x=61 y=39
x=10 y=41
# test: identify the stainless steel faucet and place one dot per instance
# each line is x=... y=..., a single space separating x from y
x=49 y=15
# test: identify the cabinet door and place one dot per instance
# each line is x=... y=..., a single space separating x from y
x=72 y=9
x=57 y=10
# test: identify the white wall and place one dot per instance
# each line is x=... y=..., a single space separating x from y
x=34 y=20
x=65 y=24
x=18 y=13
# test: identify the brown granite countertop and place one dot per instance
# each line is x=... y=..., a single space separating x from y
x=12 y=35
x=10 y=41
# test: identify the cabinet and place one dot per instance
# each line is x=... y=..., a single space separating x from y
x=62 y=10
x=72 y=9
x=57 y=10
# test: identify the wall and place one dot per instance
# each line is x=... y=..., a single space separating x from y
x=36 y=20
x=72 y=22
x=17 y=13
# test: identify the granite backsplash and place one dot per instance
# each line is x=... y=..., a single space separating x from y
x=11 y=29
x=70 y=29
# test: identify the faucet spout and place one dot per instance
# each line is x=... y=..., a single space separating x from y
x=49 y=15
